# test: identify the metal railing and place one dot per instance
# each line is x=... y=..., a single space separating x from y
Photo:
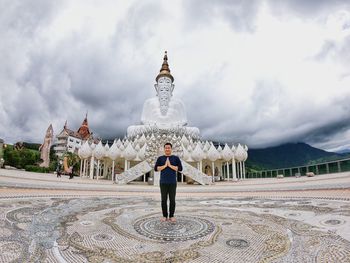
x=337 y=166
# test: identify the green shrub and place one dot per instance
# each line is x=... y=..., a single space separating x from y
x=37 y=169
x=21 y=158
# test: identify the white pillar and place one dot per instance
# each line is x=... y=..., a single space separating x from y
x=156 y=177
x=125 y=165
x=234 y=175
x=221 y=171
x=213 y=168
x=241 y=169
x=228 y=171
x=244 y=170
x=92 y=160
x=81 y=167
x=83 y=170
x=85 y=167
x=112 y=170
x=98 y=169
x=201 y=166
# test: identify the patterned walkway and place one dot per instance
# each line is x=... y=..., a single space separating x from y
x=229 y=222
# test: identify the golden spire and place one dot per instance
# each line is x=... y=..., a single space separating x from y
x=165 y=71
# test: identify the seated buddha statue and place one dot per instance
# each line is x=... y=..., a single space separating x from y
x=163 y=111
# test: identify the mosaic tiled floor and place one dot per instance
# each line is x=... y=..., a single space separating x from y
x=207 y=230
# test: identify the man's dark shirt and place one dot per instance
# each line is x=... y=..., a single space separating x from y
x=168 y=175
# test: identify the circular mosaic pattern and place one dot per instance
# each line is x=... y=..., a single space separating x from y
x=103 y=237
x=237 y=243
x=185 y=228
x=332 y=222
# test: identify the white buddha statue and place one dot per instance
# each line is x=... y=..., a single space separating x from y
x=163 y=111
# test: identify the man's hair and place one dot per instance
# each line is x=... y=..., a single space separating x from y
x=168 y=143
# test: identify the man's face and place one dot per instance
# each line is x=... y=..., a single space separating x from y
x=167 y=150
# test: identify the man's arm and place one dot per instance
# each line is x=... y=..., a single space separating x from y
x=174 y=167
x=159 y=167
x=179 y=165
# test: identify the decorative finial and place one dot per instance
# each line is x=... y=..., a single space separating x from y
x=165 y=71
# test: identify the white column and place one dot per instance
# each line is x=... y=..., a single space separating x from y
x=125 y=165
x=244 y=170
x=221 y=171
x=213 y=168
x=241 y=169
x=156 y=177
x=83 y=171
x=98 y=169
x=228 y=171
x=81 y=167
x=234 y=175
x=201 y=166
x=92 y=160
x=112 y=170
x=85 y=167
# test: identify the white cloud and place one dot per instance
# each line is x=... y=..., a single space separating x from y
x=255 y=73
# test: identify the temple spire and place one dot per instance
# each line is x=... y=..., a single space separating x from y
x=84 y=129
x=165 y=71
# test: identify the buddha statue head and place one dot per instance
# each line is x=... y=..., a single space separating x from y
x=164 y=86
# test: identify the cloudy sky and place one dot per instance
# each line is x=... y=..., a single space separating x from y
x=256 y=72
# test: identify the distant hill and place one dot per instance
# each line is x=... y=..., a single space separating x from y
x=344 y=151
x=288 y=155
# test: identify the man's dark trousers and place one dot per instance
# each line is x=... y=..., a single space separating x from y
x=168 y=190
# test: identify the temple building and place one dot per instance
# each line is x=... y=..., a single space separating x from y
x=70 y=141
x=163 y=120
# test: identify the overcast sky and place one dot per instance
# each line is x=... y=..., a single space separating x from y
x=257 y=72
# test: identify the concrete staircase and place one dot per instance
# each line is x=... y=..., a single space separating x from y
x=195 y=174
x=133 y=173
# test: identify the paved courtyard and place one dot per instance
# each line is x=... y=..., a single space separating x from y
x=45 y=219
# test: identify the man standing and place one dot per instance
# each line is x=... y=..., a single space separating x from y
x=168 y=165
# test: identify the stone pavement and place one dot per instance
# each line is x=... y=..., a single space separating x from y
x=45 y=219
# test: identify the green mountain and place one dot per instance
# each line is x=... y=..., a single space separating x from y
x=288 y=155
